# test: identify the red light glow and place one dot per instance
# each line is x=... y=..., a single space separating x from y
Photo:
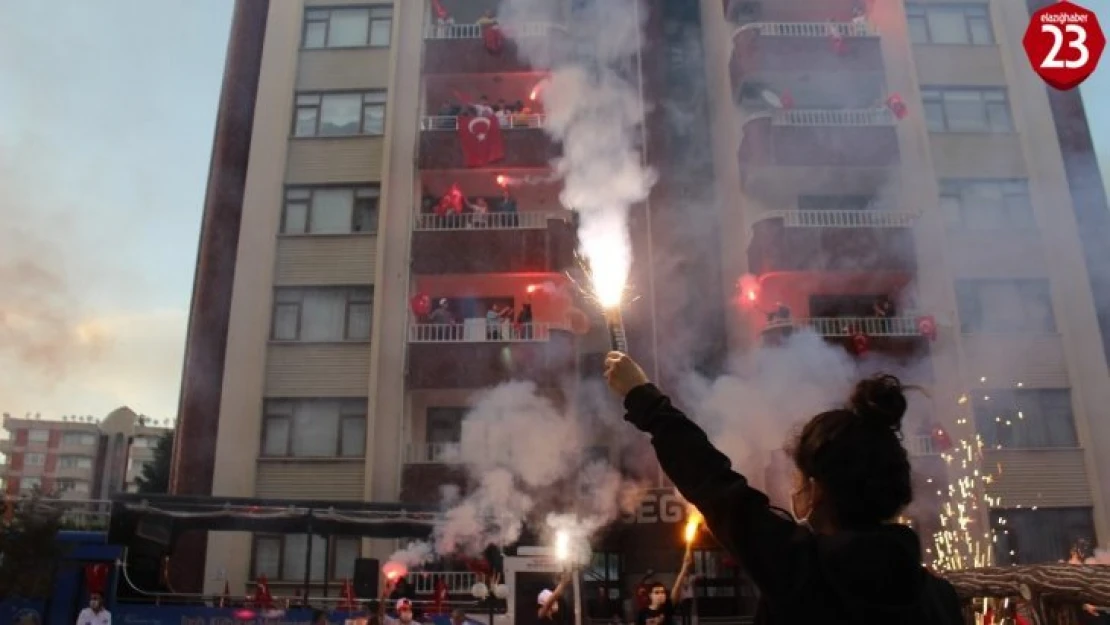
x=394 y=570
x=531 y=289
x=748 y=289
x=502 y=181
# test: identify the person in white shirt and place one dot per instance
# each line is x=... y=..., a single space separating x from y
x=95 y=614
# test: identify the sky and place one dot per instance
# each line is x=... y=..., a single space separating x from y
x=106 y=116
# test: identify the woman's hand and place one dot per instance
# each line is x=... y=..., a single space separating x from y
x=623 y=374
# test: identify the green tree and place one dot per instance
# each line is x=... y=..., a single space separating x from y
x=155 y=477
x=29 y=550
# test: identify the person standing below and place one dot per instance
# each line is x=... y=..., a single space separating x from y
x=660 y=608
x=96 y=613
x=841 y=560
x=549 y=601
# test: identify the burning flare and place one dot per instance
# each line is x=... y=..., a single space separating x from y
x=693 y=522
x=562 y=545
x=394 y=570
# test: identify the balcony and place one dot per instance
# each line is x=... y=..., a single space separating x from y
x=786 y=152
x=461 y=49
x=471 y=355
x=493 y=243
x=427 y=470
x=526 y=144
x=833 y=240
x=763 y=51
x=896 y=337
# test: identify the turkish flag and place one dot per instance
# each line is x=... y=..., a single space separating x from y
x=96 y=577
x=860 y=344
x=348 y=604
x=440 y=12
x=493 y=39
x=481 y=141
x=439 y=597
x=262 y=597
x=927 y=326
x=897 y=106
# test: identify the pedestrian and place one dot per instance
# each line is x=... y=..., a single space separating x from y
x=840 y=559
x=96 y=613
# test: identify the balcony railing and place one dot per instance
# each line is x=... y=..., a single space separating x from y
x=844 y=218
x=850 y=326
x=474 y=31
x=480 y=331
x=76 y=514
x=431 y=453
x=878 y=116
x=809 y=29
x=518 y=121
x=920 y=446
x=458 y=582
x=534 y=220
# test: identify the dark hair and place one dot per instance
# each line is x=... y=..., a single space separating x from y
x=652 y=586
x=856 y=455
x=317 y=614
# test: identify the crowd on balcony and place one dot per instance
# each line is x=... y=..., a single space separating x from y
x=454 y=210
x=516 y=114
x=503 y=322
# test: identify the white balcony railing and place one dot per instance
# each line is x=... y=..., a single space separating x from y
x=480 y=331
x=849 y=326
x=518 y=121
x=458 y=582
x=534 y=220
x=810 y=29
x=877 y=116
x=432 y=453
x=844 y=218
x=474 y=31
x=920 y=445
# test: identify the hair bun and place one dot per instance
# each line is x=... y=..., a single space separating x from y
x=880 y=400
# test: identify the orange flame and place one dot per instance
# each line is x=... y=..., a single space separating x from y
x=531 y=288
x=693 y=522
x=502 y=181
x=394 y=570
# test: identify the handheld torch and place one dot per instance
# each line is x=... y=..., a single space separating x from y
x=614 y=321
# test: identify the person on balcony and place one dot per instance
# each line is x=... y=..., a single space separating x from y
x=493 y=323
x=488 y=19
x=837 y=558
x=780 y=315
x=507 y=207
x=443 y=321
x=479 y=212
x=883 y=307
x=483 y=108
x=524 y=321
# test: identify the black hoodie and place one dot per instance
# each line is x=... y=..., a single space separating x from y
x=848 y=578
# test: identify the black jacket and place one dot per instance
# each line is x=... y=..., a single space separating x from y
x=850 y=578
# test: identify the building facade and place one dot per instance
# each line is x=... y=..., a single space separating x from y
x=887 y=172
x=78 y=457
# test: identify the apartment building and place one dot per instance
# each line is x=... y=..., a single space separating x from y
x=78 y=457
x=316 y=370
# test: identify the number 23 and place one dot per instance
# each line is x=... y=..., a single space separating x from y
x=1079 y=43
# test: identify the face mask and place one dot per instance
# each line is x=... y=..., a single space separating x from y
x=794 y=509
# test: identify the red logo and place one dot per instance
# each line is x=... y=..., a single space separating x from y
x=1064 y=43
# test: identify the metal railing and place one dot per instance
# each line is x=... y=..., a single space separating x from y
x=877 y=116
x=516 y=121
x=921 y=445
x=431 y=453
x=844 y=218
x=458 y=582
x=850 y=326
x=481 y=331
x=534 y=220
x=76 y=514
x=474 y=31
x=809 y=29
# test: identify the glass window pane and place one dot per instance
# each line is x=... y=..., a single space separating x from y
x=267 y=557
x=331 y=211
x=346 y=552
x=999 y=117
x=919 y=30
x=354 y=437
x=358 y=322
x=316 y=429
x=315 y=34
x=39 y=436
x=366 y=215
x=296 y=218
x=286 y=320
x=323 y=315
x=339 y=114
x=964 y=111
x=306 y=122
x=275 y=436
x=947 y=26
x=951 y=209
x=981 y=34
x=298 y=194
x=348 y=27
x=934 y=116
x=373 y=122
x=380 y=31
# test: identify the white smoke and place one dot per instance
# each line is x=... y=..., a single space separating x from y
x=595 y=111
x=414 y=555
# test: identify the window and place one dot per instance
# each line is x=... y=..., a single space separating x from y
x=38 y=436
x=987 y=204
x=1025 y=419
x=72 y=486
x=314 y=428
x=284 y=557
x=717 y=578
x=960 y=24
x=330 y=210
x=444 y=425
x=348 y=28
x=1005 y=306
x=1031 y=536
x=78 y=438
x=142 y=442
x=74 y=462
x=967 y=110
x=322 y=315
x=34 y=460
x=29 y=483
x=605 y=571
x=340 y=114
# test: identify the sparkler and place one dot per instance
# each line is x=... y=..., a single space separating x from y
x=690 y=532
x=562 y=546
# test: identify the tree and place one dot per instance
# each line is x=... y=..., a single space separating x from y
x=29 y=549
x=155 y=477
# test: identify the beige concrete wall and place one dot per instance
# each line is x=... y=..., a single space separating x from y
x=386 y=413
x=248 y=330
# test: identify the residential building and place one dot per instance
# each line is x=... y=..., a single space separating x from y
x=78 y=457
x=872 y=153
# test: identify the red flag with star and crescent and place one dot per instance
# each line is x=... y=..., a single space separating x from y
x=481 y=141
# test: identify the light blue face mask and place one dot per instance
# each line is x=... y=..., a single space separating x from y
x=800 y=520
